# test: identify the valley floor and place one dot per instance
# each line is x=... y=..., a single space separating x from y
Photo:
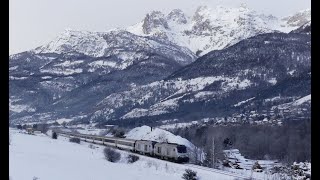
x=40 y=157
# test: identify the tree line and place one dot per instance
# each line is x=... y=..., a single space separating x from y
x=287 y=143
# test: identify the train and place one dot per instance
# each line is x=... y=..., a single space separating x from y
x=163 y=150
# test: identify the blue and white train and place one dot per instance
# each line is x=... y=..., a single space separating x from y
x=167 y=151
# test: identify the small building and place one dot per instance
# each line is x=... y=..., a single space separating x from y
x=30 y=130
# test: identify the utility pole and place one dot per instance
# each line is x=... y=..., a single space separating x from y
x=213 y=156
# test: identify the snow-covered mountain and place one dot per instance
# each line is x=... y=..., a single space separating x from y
x=298 y=19
x=251 y=71
x=124 y=45
x=305 y=28
x=89 y=65
x=210 y=29
x=149 y=69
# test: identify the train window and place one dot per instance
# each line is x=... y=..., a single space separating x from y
x=109 y=140
x=159 y=149
x=167 y=151
x=138 y=146
x=126 y=143
x=181 y=149
x=174 y=149
x=145 y=147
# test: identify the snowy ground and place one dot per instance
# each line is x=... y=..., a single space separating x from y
x=235 y=156
x=38 y=156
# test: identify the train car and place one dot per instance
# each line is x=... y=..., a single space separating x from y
x=109 y=141
x=144 y=147
x=98 y=140
x=127 y=144
x=171 y=151
x=168 y=151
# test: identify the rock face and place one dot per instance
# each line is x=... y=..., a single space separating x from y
x=148 y=73
x=210 y=29
x=154 y=20
x=298 y=19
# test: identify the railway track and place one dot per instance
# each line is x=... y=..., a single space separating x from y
x=236 y=175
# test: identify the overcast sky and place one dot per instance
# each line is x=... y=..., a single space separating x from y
x=35 y=22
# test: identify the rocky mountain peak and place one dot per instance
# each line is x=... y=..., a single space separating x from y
x=298 y=19
x=201 y=13
x=178 y=16
x=154 y=20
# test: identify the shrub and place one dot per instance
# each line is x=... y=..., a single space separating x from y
x=118 y=133
x=19 y=126
x=111 y=155
x=91 y=146
x=54 y=135
x=256 y=166
x=132 y=158
x=190 y=175
x=75 y=140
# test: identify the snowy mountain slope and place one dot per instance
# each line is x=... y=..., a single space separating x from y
x=255 y=67
x=72 y=65
x=305 y=28
x=214 y=28
x=296 y=104
x=118 y=75
x=122 y=44
x=298 y=19
x=78 y=161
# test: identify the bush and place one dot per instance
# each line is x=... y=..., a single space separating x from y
x=91 y=146
x=54 y=135
x=118 y=133
x=111 y=155
x=132 y=158
x=190 y=175
x=256 y=166
x=75 y=140
x=19 y=126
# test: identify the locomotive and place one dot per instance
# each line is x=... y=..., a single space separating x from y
x=163 y=150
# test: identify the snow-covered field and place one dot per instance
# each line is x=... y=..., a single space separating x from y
x=39 y=156
x=235 y=156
